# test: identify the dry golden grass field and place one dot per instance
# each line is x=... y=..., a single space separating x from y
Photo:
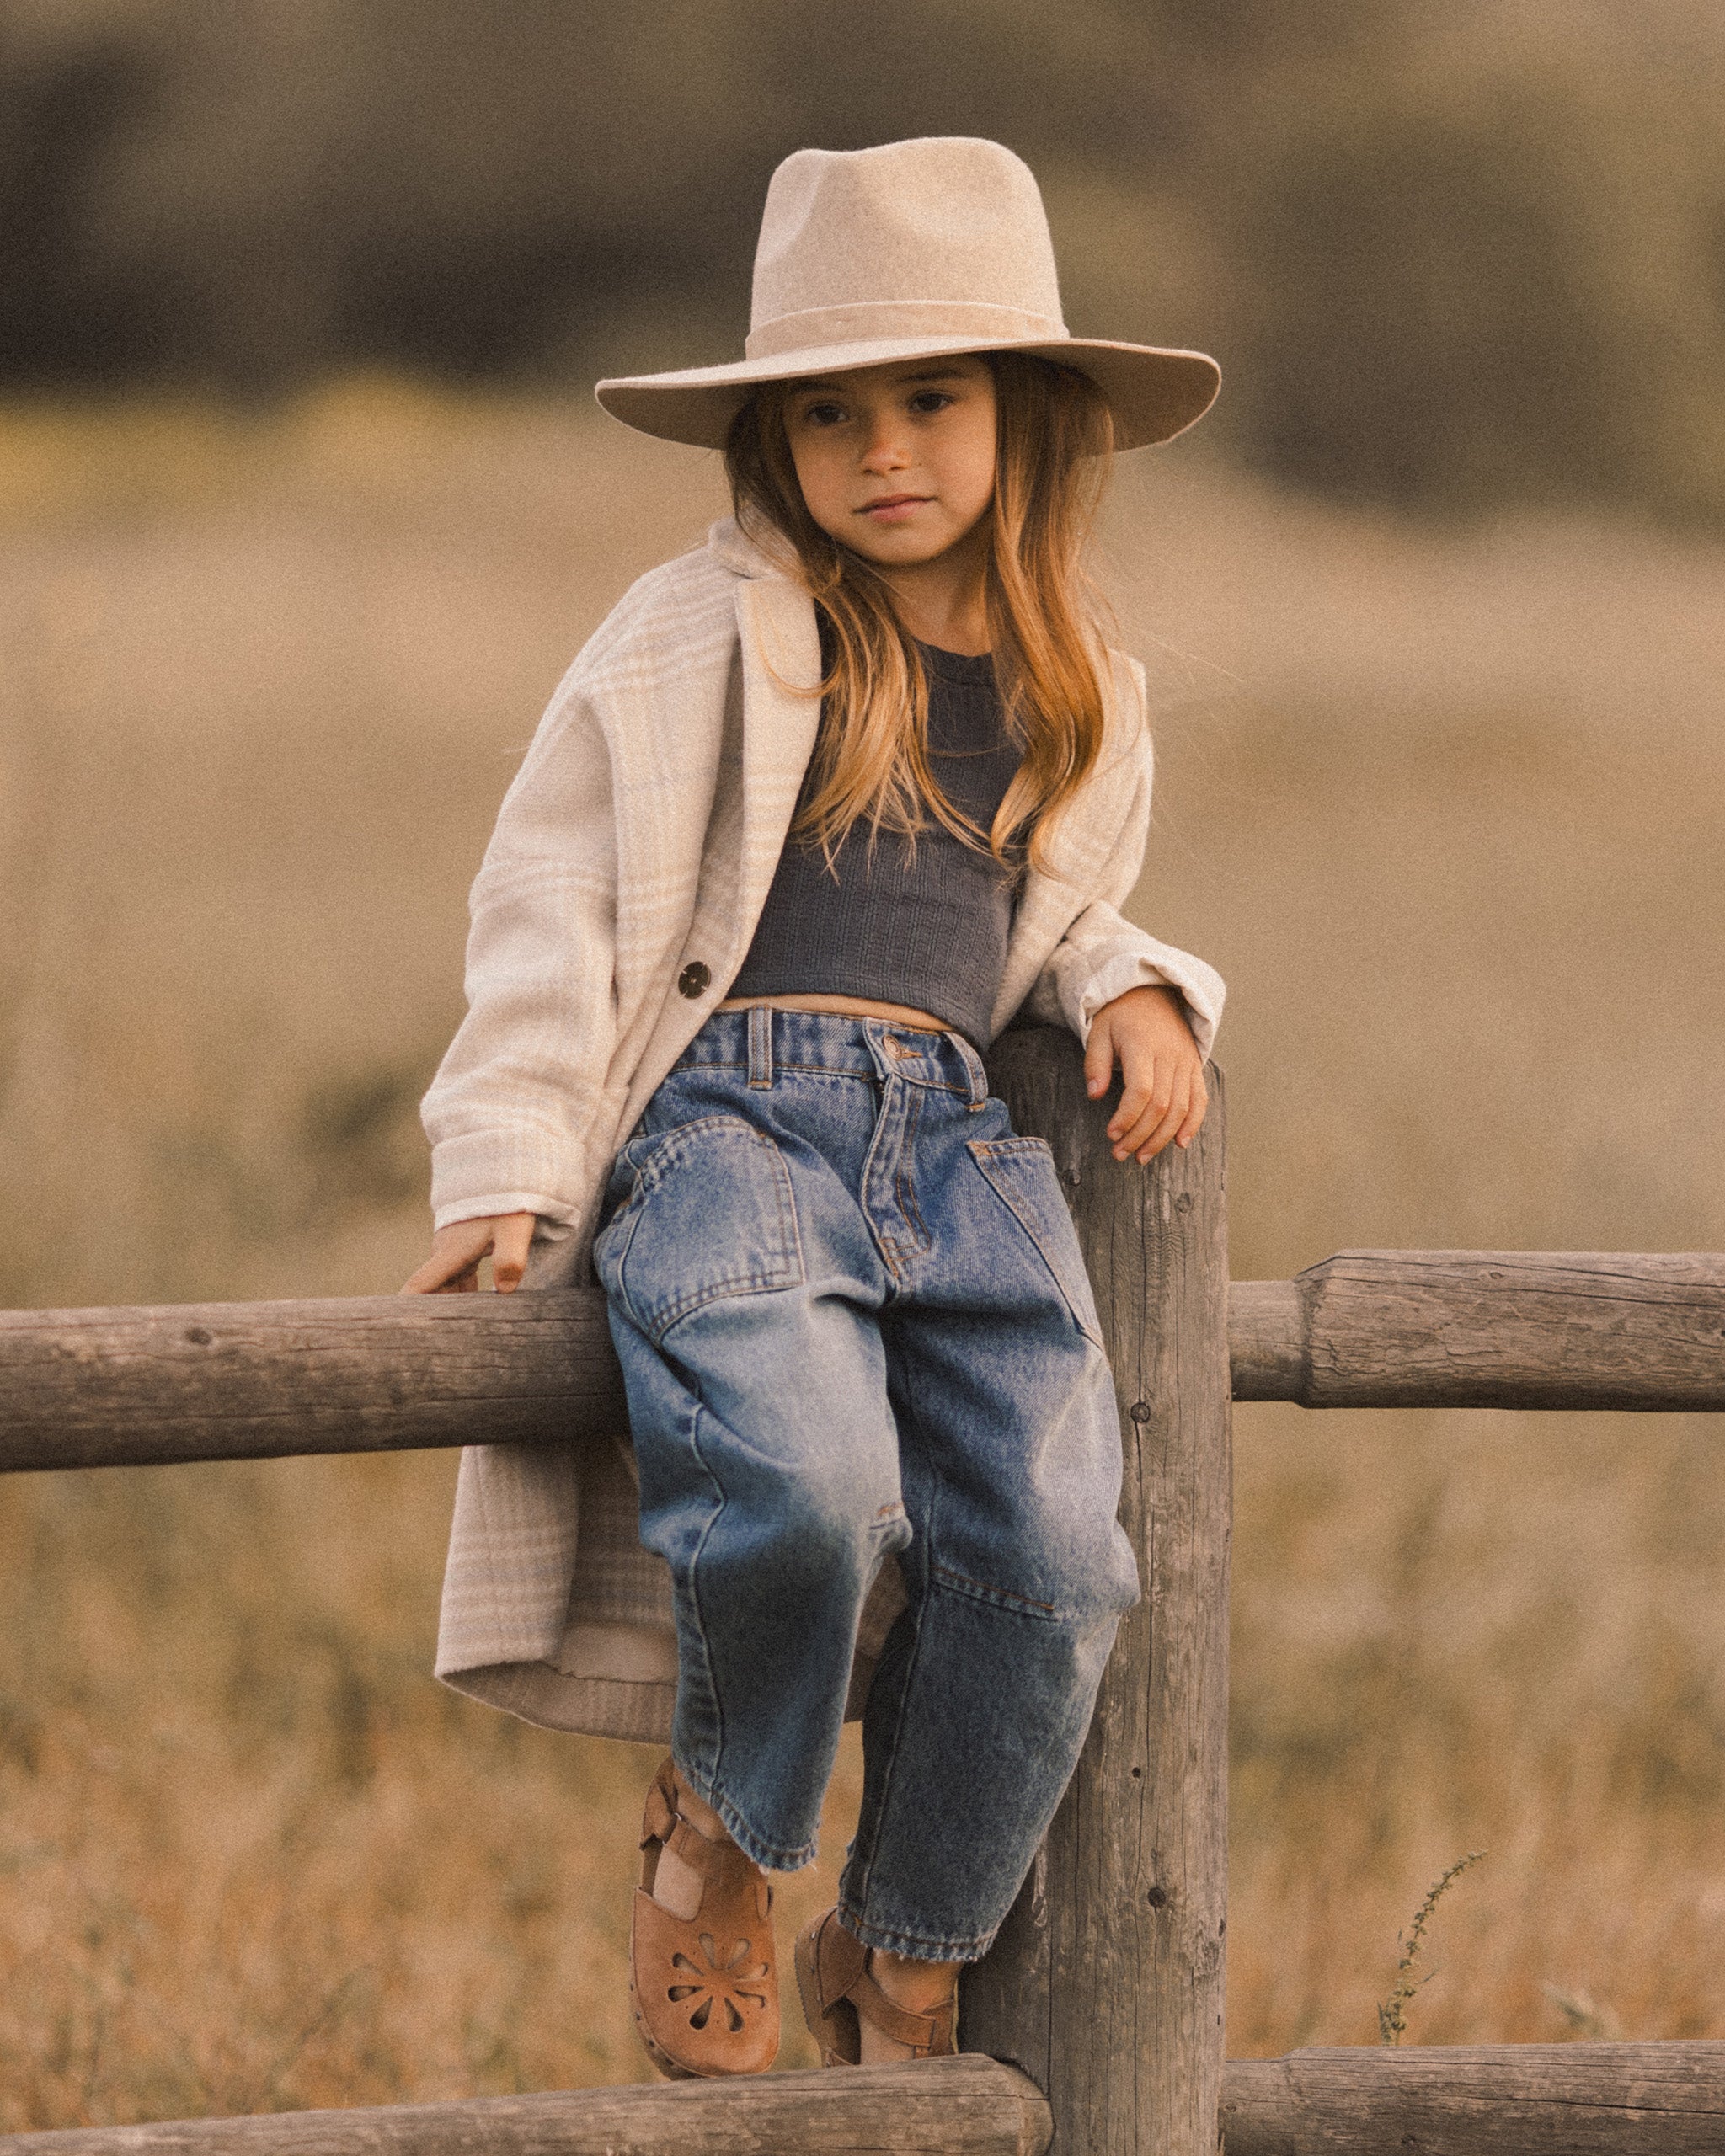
x=1446 y=809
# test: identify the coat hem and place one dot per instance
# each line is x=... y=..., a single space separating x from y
x=626 y=1709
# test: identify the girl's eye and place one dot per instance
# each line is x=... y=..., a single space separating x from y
x=931 y=400
x=823 y=415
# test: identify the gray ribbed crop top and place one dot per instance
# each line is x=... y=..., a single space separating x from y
x=926 y=928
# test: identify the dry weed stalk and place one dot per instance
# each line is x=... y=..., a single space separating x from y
x=1392 y=2017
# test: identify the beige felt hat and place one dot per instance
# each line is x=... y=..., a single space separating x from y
x=935 y=245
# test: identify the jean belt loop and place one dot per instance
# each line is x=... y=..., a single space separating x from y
x=760 y=1047
x=974 y=1071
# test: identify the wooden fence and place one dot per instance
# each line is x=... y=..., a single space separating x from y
x=1095 y=2025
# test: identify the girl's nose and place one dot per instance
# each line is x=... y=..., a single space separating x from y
x=885 y=451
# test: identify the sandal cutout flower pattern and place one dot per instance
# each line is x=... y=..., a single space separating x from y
x=721 y=1984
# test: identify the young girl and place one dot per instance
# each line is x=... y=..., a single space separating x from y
x=817 y=811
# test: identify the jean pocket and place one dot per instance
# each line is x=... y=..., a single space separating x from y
x=1022 y=1173
x=710 y=1213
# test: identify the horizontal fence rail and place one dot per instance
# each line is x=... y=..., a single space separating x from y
x=150 y=1387
x=187 y=1381
x=963 y=2106
x=1510 y=2100
x=1488 y=2100
x=1483 y=1328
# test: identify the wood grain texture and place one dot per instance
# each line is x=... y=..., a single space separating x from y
x=1457 y=1328
x=100 y=1388
x=1502 y=2099
x=1106 y=1982
x=97 y=1388
x=965 y=2107
x=1528 y=2100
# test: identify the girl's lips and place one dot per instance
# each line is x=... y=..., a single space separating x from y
x=893 y=508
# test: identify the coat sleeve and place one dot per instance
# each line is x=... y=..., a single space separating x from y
x=518 y=1101
x=1102 y=955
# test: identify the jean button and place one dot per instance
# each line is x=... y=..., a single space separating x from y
x=695 y=980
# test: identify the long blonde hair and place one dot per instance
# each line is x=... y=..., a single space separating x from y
x=1053 y=430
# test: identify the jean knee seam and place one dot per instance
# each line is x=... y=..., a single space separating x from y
x=699 y=1621
x=918 y=1610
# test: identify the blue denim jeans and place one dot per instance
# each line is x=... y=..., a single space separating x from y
x=853 y=1320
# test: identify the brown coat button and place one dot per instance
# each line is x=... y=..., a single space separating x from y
x=695 y=980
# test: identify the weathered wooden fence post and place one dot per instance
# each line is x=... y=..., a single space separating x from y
x=1105 y=1983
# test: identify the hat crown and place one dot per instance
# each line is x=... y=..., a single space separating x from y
x=946 y=220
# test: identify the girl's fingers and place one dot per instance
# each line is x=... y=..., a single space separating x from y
x=1144 y=1101
x=1169 y=1124
x=1169 y=1099
x=1099 y=1059
x=1194 y=1113
x=1154 y=1129
x=434 y=1276
x=439 y=1280
x=508 y=1251
x=1162 y=1095
x=453 y=1267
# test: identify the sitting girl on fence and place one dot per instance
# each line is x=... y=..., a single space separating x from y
x=820 y=808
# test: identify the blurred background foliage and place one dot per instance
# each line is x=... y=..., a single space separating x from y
x=1452 y=255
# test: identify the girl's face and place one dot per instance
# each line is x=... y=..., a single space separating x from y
x=896 y=461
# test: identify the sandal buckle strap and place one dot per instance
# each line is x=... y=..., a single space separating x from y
x=919 y=2030
x=659 y=1818
x=718 y=1864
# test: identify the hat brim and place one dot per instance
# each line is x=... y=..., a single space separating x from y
x=1155 y=392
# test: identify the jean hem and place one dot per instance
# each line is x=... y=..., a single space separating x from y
x=769 y=1856
x=910 y=1945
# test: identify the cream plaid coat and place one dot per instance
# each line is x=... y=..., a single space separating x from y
x=615 y=904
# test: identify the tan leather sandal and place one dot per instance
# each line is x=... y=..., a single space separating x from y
x=704 y=1988
x=838 y=1995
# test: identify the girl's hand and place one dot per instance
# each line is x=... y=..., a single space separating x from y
x=1161 y=1075
x=453 y=1267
